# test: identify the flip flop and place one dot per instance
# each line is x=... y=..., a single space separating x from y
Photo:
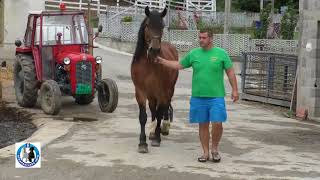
x=216 y=157
x=203 y=159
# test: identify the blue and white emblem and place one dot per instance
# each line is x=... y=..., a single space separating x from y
x=28 y=155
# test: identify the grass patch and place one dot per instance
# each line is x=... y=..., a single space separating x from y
x=6 y=73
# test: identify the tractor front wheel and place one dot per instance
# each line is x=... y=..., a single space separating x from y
x=108 y=95
x=50 y=95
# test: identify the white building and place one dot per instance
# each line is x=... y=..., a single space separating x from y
x=13 y=20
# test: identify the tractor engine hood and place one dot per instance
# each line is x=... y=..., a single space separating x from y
x=74 y=57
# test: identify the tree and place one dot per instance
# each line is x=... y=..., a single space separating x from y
x=246 y=5
x=254 y=5
x=261 y=33
x=289 y=22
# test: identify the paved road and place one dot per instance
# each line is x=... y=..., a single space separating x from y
x=83 y=143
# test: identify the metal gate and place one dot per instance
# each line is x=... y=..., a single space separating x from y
x=269 y=77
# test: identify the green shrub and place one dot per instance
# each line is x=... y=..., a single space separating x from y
x=94 y=22
x=213 y=27
x=127 y=19
x=265 y=21
x=288 y=23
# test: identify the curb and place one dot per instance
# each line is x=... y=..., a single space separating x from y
x=122 y=52
x=111 y=49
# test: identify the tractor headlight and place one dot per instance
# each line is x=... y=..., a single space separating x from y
x=66 y=61
x=98 y=59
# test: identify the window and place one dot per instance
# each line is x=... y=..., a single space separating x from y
x=72 y=29
x=28 y=35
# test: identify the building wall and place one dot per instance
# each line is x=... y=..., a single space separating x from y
x=1 y=21
x=308 y=89
x=15 y=20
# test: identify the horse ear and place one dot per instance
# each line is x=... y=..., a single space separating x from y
x=164 y=12
x=147 y=11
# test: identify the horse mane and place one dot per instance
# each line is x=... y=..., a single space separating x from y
x=140 y=47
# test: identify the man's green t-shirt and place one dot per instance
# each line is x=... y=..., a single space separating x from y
x=208 y=71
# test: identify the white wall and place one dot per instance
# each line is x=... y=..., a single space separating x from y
x=16 y=15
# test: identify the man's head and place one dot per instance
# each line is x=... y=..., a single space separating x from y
x=206 y=38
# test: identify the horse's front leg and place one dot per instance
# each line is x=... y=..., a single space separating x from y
x=153 y=109
x=143 y=146
x=141 y=99
x=160 y=112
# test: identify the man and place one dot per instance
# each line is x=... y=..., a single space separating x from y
x=207 y=103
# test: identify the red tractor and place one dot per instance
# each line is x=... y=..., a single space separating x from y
x=54 y=58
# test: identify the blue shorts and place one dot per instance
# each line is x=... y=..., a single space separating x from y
x=204 y=110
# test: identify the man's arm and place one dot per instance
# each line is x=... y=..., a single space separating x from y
x=233 y=82
x=171 y=64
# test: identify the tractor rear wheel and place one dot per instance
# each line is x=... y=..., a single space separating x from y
x=25 y=81
x=50 y=96
x=108 y=95
x=84 y=99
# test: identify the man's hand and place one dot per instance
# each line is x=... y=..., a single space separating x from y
x=235 y=96
x=159 y=59
x=171 y=64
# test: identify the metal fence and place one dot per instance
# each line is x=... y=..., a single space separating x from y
x=274 y=45
x=184 y=40
x=183 y=18
x=269 y=77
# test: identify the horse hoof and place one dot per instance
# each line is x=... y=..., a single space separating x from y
x=165 y=128
x=152 y=136
x=155 y=143
x=143 y=148
x=165 y=133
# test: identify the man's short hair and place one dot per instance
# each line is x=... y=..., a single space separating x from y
x=207 y=30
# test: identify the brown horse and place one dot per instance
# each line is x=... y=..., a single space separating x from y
x=153 y=81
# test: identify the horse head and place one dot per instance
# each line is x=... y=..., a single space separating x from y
x=153 y=31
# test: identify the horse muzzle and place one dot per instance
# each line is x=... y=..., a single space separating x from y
x=152 y=53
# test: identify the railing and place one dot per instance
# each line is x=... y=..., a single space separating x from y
x=81 y=5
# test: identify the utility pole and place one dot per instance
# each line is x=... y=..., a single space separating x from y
x=272 y=10
x=1 y=21
x=90 y=29
x=261 y=5
x=227 y=16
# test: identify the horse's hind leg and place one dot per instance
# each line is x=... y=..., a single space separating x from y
x=160 y=112
x=143 y=146
x=153 y=109
x=167 y=118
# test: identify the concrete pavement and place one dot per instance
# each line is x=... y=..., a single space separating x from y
x=258 y=143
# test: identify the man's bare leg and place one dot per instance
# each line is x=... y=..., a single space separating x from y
x=204 y=138
x=216 y=134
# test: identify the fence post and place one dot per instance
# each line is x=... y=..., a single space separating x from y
x=243 y=71
x=271 y=60
x=285 y=77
